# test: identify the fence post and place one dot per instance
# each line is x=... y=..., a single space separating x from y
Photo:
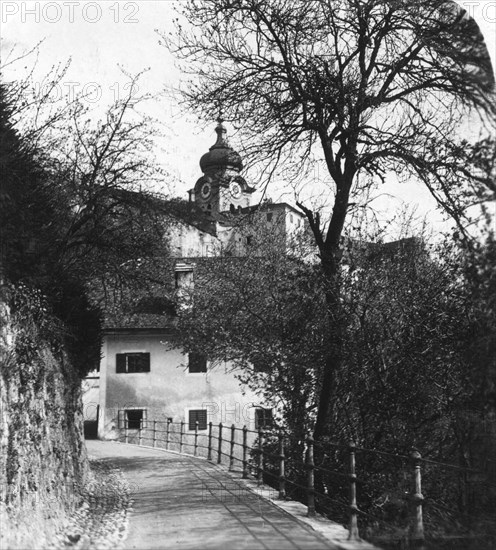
x=231 y=453
x=126 y=428
x=245 y=452
x=196 y=438
x=260 y=457
x=181 y=437
x=219 y=449
x=167 y=434
x=418 y=522
x=154 y=433
x=310 y=479
x=282 y=478
x=353 y=534
x=140 y=431
x=209 y=455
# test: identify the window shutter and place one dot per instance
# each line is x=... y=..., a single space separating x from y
x=146 y=362
x=191 y=420
x=201 y=416
x=268 y=418
x=120 y=419
x=120 y=362
x=202 y=419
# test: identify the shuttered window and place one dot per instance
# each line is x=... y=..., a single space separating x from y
x=132 y=362
x=263 y=419
x=199 y=415
x=197 y=362
x=260 y=364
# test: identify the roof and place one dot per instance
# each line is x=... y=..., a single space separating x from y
x=382 y=250
x=221 y=155
x=268 y=205
x=180 y=210
x=190 y=213
x=147 y=312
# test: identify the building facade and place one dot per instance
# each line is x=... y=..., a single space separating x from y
x=144 y=376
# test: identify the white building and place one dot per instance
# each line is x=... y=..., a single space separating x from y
x=144 y=376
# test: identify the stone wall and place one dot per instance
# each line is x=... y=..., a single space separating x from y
x=42 y=453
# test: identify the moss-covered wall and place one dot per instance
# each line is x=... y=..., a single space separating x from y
x=42 y=453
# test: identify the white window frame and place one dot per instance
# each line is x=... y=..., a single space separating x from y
x=144 y=417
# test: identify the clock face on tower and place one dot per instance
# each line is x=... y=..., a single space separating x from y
x=235 y=190
x=206 y=190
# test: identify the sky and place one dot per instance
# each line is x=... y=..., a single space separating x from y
x=105 y=38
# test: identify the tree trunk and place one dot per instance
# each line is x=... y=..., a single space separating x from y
x=327 y=391
x=334 y=355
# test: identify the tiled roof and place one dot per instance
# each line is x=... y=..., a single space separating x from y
x=152 y=312
x=190 y=213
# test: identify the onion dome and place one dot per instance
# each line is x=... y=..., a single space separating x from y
x=221 y=156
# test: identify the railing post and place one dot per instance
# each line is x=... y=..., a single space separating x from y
x=219 y=448
x=126 y=428
x=231 y=452
x=418 y=521
x=154 y=433
x=310 y=479
x=245 y=452
x=260 y=457
x=181 y=437
x=282 y=478
x=353 y=531
x=209 y=455
x=196 y=438
x=167 y=434
x=140 y=431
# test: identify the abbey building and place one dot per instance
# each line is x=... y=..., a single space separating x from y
x=143 y=376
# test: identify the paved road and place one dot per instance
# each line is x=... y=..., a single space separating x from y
x=186 y=503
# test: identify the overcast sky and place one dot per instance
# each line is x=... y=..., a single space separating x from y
x=99 y=37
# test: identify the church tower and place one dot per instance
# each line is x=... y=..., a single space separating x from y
x=221 y=188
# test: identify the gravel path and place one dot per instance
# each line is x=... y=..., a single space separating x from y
x=185 y=503
x=101 y=522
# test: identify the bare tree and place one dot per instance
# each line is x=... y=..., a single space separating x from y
x=368 y=86
x=77 y=211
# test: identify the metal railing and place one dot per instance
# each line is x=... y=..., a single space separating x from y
x=251 y=450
